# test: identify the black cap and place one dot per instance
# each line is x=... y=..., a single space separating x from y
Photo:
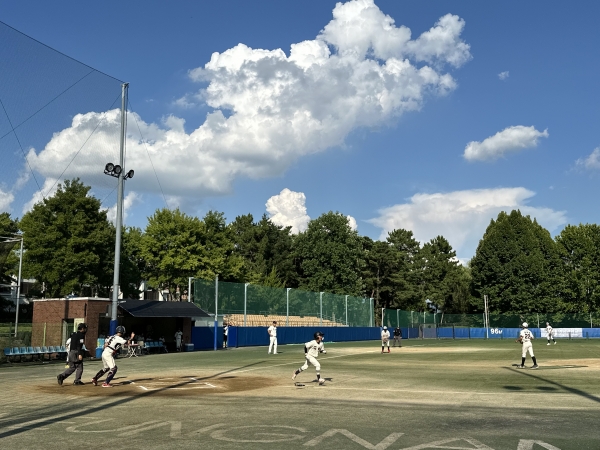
x=81 y=326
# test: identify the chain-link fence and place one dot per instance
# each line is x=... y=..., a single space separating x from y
x=396 y=317
x=246 y=304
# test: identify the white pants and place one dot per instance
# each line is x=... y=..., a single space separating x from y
x=273 y=344
x=384 y=342
x=527 y=347
x=108 y=360
x=313 y=361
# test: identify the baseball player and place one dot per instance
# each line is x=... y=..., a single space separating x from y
x=385 y=339
x=272 y=330
x=178 y=337
x=112 y=346
x=525 y=338
x=311 y=351
x=398 y=337
x=550 y=332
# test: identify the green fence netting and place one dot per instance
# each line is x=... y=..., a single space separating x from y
x=256 y=305
x=396 y=317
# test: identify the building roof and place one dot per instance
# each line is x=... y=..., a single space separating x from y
x=151 y=308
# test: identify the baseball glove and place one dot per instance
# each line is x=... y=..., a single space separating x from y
x=519 y=340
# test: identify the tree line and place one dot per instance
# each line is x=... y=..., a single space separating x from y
x=69 y=248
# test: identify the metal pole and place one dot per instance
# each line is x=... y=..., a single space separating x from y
x=538 y=317
x=398 y=318
x=486 y=317
x=321 y=302
x=347 y=311
x=371 y=308
x=19 y=287
x=591 y=323
x=245 y=301
x=382 y=313
x=119 y=222
x=287 y=313
x=190 y=288
x=216 y=308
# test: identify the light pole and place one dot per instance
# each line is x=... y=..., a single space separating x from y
x=15 y=240
x=117 y=171
x=190 y=288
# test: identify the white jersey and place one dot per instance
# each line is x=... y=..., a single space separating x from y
x=272 y=331
x=526 y=335
x=385 y=335
x=178 y=336
x=549 y=330
x=313 y=348
x=113 y=344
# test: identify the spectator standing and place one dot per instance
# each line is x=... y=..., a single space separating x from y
x=76 y=349
x=225 y=334
x=272 y=330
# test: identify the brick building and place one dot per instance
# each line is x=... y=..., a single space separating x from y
x=54 y=319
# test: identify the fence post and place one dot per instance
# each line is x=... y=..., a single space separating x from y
x=321 y=308
x=398 y=318
x=245 y=301
x=287 y=313
x=591 y=323
x=453 y=333
x=371 y=308
x=216 y=309
x=44 y=338
x=347 y=311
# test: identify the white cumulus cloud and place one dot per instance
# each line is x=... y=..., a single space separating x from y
x=352 y=223
x=591 y=162
x=130 y=199
x=6 y=199
x=511 y=139
x=270 y=108
x=288 y=208
x=503 y=75
x=461 y=216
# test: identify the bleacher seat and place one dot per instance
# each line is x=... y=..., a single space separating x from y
x=45 y=352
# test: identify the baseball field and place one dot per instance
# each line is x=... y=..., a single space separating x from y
x=427 y=394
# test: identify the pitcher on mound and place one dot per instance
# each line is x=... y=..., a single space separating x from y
x=311 y=352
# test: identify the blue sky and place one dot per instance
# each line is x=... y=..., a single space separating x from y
x=388 y=153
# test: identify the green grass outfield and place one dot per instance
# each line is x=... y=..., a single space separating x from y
x=428 y=394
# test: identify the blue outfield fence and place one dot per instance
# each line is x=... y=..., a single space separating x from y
x=203 y=337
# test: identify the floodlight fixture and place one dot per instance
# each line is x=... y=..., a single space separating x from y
x=129 y=174
x=117 y=170
x=109 y=167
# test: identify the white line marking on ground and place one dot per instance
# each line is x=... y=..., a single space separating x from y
x=144 y=388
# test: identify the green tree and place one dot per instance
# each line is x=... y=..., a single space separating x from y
x=381 y=265
x=407 y=274
x=440 y=271
x=266 y=249
x=172 y=248
x=220 y=259
x=579 y=248
x=68 y=241
x=133 y=264
x=329 y=256
x=517 y=265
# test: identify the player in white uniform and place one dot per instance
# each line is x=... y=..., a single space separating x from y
x=385 y=339
x=111 y=347
x=525 y=337
x=550 y=332
x=272 y=330
x=311 y=351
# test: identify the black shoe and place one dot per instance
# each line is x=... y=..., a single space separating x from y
x=78 y=383
x=59 y=378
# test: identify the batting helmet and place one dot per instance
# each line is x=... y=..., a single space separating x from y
x=525 y=325
x=385 y=328
x=121 y=329
x=317 y=334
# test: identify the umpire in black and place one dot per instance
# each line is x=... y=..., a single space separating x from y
x=75 y=356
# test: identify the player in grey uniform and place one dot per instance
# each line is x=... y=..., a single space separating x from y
x=112 y=345
x=311 y=352
x=525 y=338
x=550 y=332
